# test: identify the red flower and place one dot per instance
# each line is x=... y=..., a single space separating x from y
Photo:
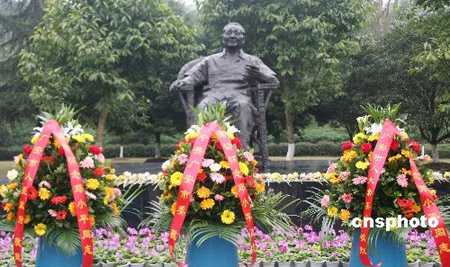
x=201 y=176
x=98 y=172
x=366 y=147
x=32 y=193
x=58 y=200
x=409 y=215
x=96 y=150
x=255 y=170
x=394 y=145
x=48 y=159
x=405 y=204
x=236 y=141
x=218 y=145
x=61 y=151
x=27 y=149
x=415 y=146
x=61 y=215
x=347 y=146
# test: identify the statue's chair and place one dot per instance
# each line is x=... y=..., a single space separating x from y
x=261 y=95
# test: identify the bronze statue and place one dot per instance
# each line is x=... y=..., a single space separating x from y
x=227 y=76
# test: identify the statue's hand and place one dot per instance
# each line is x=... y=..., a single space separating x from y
x=176 y=85
x=253 y=73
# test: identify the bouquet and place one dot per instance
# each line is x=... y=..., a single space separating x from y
x=50 y=210
x=396 y=193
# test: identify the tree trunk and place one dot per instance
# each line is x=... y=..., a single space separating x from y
x=290 y=135
x=101 y=126
x=435 y=153
x=157 y=146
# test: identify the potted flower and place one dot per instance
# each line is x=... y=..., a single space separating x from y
x=349 y=179
x=215 y=214
x=50 y=210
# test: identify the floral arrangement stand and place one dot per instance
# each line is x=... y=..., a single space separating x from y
x=387 y=249
x=215 y=251
x=50 y=256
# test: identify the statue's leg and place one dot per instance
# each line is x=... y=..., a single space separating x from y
x=243 y=112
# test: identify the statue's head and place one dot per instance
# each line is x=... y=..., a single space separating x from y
x=233 y=35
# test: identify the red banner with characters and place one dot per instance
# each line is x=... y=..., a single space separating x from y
x=430 y=209
x=189 y=178
x=50 y=128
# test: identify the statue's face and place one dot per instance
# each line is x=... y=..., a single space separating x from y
x=233 y=37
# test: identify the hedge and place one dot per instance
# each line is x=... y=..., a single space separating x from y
x=323 y=148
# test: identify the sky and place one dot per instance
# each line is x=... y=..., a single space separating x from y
x=188 y=2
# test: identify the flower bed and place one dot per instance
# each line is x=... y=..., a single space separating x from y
x=147 y=245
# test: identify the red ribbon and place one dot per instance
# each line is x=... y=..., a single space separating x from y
x=189 y=178
x=429 y=206
x=52 y=128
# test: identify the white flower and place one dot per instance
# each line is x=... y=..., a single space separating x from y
x=374 y=129
x=193 y=129
x=215 y=167
x=231 y=128
x=12 y=174
x=165 y=165
x=217 y=178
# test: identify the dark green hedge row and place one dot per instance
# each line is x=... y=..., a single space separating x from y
x=301 y=149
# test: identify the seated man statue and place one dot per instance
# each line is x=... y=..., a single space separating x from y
x=226 y=76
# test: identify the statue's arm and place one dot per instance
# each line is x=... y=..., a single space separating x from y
x=265 y=75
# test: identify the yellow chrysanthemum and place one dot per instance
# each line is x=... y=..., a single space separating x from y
x=34 y=139
x=172 y=209
x=349 y=155
x=56 y=143
x=227 y=217
x=406 y=172
x=110 y=177
x=87 y=137
x=166 y=195
x=230 y=135
x=394 y=158
x=203 y=192
x=260 y=188
x=12 y=186
x=359 y=138
x=27 y=218
x=78 y=138
x=344 y=215
x=234 y=191
x=72 y=209
x=92 y=184
x=362 y=165
x=243 y=168
x=404 y=134
x=8 y=207
x=224 y=164
x=40 y=229
x=115 y=209
x=373 y=137
x=109 y=191
x=3 y=190
x=332 y=211
x=405 y=152
x=44 y=194
x=191 y=136
x=207 y=204
x=10 y=216
x=333 y=178
x=175 y=178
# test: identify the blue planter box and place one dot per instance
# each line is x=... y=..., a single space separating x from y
x=50 y=256
x=215 y=251
x=384 y=249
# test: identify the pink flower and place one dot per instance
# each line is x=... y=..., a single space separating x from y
x=52 y=213
x=332 y=168
x=248 y=156
x=344 y=175
x=100 y=158
x=217 y=177
x=88 y=162
x=46 y=184
x=182 y=159
x=89 y=195
x=402 y=180
x=347 y=198
x=325 y=200
x=218 y=197
x=207 y=162
x=359 y=180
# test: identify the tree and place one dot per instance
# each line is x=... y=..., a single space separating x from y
x=306 y=42
x=97 y=54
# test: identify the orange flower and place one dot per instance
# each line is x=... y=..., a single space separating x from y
x=12 y=186
x=10 y=216
x=91 y=220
